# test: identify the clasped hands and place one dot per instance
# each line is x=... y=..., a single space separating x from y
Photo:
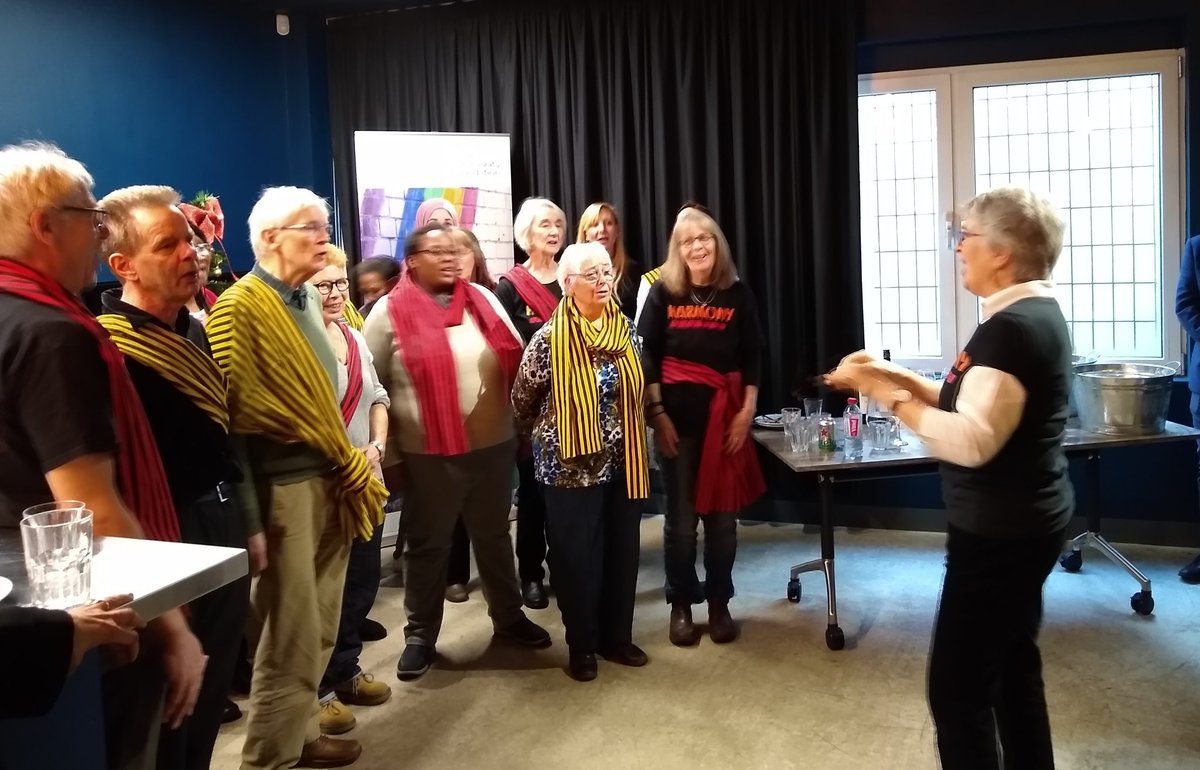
x=863 y=373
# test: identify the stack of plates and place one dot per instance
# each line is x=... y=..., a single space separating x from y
x=770 y=421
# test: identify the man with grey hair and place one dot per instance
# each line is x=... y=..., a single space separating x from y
x=149 y=249
x=73 y=426
x=310 y=488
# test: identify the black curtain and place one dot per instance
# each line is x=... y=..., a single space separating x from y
x=748 y=106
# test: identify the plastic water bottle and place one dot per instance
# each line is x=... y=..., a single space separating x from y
x=853 y=441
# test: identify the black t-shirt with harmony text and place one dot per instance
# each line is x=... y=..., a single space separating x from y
x=722 y=333
x=1024 y=491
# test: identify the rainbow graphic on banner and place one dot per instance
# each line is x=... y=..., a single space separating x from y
x=386 y=217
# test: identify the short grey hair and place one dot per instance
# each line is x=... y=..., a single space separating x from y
x=575 y=256
x=34 y=175
x=1020 y=221
x=528 y=214
x=123 y=233
x=275 y=208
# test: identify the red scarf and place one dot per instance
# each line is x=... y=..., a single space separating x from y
x=536 y=296
x=724 y=483
x=140 y=475
x=419 y=324
x=354 y=377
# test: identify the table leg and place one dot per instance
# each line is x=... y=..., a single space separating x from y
x=834 y=638
x=1141 y=602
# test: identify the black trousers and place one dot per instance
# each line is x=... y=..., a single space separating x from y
x=679 y=535
x=985 y=670
x=358 y=596
x=594 y=537
x=218 y=619
x=531 y=524
x=458 y=570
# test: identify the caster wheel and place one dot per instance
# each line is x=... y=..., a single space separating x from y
x=1072 y=561
x=793 y=591
x=834 y=638
x=1142 y=603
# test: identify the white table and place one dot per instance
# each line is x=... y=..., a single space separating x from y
x=161 y=576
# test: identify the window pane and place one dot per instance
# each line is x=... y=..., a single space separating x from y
x=1093 y=146
x=901 y=223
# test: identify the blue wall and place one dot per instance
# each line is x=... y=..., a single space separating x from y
x=201 y=96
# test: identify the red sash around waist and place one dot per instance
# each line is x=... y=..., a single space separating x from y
x=725 y=483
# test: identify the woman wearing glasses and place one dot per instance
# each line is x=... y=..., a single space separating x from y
x=997 y=424
x=447 y=354
x=703 y=353
x=580 y=390
x=364 y=406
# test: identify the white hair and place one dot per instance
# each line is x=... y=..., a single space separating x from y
x=276 y=207
x=575 y=256
x=528 y=214
x=34 y=175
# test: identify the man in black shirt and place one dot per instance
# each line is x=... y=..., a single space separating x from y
x=149 y=250
x=60 y=381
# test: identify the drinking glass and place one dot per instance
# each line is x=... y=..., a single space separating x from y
x=57 y=505
x=792 y=427
x=58 y=556
x=812 y=406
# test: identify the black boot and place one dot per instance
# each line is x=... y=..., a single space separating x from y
x=682 y=633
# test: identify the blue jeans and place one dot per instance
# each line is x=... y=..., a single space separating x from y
x=362 y=584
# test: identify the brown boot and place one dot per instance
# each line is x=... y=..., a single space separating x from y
x=329 y=752
x=721 y=627
x=683 y=633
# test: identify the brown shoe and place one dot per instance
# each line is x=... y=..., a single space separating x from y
x=682 y=633
x=329 y=752
x=721 y=627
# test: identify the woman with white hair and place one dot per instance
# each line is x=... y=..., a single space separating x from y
x=703 y=354
x=997 y=424
x=579 y=390
x=530 y=293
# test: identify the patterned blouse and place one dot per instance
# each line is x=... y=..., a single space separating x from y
x=533 y=405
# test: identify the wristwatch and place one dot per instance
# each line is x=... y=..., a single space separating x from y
x=378 y=447
x=897 y=397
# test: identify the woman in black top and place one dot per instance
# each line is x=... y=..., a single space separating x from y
x=599 y=222
x=702 y=351
x=530 y=292
x=997 y=425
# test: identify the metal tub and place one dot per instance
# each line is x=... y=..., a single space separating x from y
x=1076 y=362
x=1119 y=399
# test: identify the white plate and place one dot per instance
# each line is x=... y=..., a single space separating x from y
x=5 y=587
x=769 y=421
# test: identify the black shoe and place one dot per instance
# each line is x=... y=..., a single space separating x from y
x=625 y=653
x=231 y=712
x=414 y=662
x=533 y=594
x=525 y=633
x=371 y=631
x=582 y=666
x=243 y=675
x=1191 y=573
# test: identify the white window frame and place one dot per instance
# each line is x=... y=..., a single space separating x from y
x=959 y=309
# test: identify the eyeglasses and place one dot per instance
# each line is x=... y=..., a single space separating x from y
x=325 y=287
x=965 y=234
x=309 y=228
x=439 y=253
x=204 y=250
x=704 y=239
x=595 y=276
x=99 y=216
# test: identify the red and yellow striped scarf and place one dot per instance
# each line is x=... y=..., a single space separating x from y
x=577 y=399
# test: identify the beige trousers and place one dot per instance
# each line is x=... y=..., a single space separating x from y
x=299 y=599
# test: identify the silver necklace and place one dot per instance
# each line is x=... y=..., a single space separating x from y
x=707 y=300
